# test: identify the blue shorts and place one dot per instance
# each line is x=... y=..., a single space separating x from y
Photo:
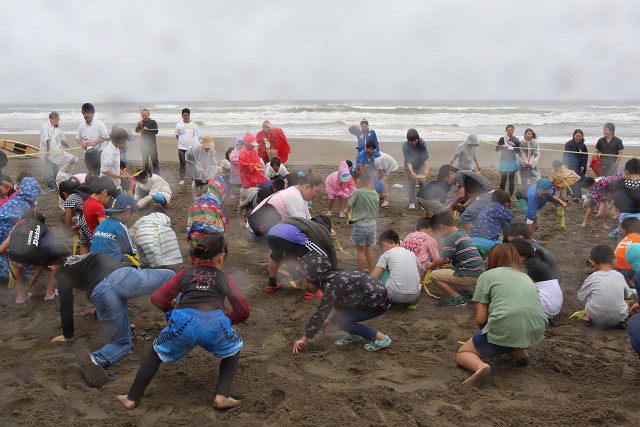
x=623 y=216
x=364 y=232
x=189 y=327
x=486 y=349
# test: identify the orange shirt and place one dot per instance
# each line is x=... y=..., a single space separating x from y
x=621 y=250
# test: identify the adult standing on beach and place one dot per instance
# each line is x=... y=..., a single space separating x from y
x=611 y=145
x=201 y=160
x=111 y=156
x=363 y=133
x=416 y=163
x=277 y=142
x=528 y=158
x=91 y=136
x=576 y=161
x=466 y=153
x=509 y=146
x=186 y=133
x=51 y=139
x=148 y=129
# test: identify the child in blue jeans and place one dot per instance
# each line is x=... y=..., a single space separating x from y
x=364 y=204
x=199 y=319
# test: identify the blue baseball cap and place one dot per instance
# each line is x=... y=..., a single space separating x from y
x=544 y=185
x=123 y=202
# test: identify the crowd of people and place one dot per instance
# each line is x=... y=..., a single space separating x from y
x=484 y=256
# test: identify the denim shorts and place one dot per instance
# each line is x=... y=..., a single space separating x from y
x=364 y=232
x=486 y=349
x=189 y=327
x=473 y=210
x=623 y=216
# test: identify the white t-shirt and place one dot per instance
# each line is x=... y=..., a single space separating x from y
x=550 y=296
x=404 y=270
x=110 y=161
x=187 y=134
x=385 y=163
x=287 y=202
x=93 y=132
x=604 y=293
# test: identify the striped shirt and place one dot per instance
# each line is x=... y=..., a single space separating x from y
x=466 y=260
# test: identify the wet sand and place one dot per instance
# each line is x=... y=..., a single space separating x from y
x=576 y=375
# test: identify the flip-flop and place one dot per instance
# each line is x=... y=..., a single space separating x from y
x=55 y=294
x=29 y=294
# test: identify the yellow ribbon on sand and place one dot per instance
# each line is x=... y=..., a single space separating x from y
x=579 y=314
x=426 y=281
x=340 y=248
x=563 y=226
x=76 y=238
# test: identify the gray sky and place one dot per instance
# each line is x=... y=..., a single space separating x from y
x=70 y=51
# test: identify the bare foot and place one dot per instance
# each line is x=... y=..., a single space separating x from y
x=520 y=358
x=124 y=399
x=606 y=227
x=224 y=402
x=584 y=224
x=477 y=378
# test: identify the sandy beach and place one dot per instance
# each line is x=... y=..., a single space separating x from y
x=576 y=375
x=321 y=151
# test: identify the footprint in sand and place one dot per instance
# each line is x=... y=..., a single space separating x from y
x=275 y=398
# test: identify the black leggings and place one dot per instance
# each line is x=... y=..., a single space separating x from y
x=512 y=181
x=151 y=363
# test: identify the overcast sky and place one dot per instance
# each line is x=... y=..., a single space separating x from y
x=71 y=51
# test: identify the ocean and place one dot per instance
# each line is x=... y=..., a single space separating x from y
x=553 y=122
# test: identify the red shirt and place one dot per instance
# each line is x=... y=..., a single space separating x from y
x=93 y=210
x=278 y=142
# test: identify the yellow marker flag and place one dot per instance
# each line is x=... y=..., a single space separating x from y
x=579 y=314
x=563 y=226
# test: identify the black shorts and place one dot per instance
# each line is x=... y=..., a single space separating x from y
x=282 y=247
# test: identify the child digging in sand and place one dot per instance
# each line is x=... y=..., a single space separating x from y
x=459 y=250
x=199 y=319
x=508 y=313
x=604 y=292
x=364 y=205
x=403 y=267
x=355 y=296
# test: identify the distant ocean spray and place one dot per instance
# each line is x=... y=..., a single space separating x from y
x=440 y=121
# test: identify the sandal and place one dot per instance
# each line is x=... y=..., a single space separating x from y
x=329 y=213
x=29 y=294
x=55 y=294
x=342 y=215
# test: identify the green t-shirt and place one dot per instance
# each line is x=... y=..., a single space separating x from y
x=516 y=318
x=364 y=203
x=464 y=255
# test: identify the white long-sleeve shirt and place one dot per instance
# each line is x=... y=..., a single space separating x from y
x=110 y=161
x=155 y=184
x=51 y=139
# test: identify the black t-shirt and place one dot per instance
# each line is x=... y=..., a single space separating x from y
x=626 y=196
x=612 y=147
x=149 y=135
x=203 y=285
x=435 y=190
x=81 y=272
x=538 y=270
